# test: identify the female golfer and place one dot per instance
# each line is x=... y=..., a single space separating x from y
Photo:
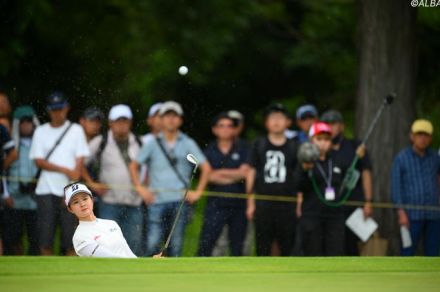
x=94 y=237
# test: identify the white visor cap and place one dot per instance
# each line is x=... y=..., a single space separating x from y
x=71 y=190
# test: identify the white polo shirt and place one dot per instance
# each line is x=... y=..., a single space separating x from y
x=101 y=238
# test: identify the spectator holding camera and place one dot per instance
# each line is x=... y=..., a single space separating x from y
x=346 y=149
x=322 y=225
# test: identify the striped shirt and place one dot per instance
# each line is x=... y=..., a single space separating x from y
x=415 y=181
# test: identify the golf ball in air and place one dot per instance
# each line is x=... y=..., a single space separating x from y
x=183 y=70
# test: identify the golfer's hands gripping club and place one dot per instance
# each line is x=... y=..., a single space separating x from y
x=159 y=255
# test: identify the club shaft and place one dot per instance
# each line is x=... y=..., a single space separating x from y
x=373 y=124
x=177 y=215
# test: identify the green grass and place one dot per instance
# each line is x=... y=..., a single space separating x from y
x=219 y=274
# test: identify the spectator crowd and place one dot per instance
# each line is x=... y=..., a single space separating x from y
x=262 y=188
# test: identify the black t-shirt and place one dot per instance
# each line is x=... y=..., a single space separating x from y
x=346 y=153
x=274 y=166
x=312 y=205
x=236 y=157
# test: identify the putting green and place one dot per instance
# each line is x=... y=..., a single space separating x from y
x=219 y=274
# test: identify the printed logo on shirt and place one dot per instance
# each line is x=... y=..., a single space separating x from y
x=235 y=156
x=97 y=237
x=275 y=168
x=113 y=229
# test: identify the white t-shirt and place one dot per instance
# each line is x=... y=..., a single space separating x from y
x=101 y=238
x=73 y=146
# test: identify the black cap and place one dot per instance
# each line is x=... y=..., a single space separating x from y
x=56 y=101
x=332 y=116
x=224 y=115
x=275 y=108
x=93 y=113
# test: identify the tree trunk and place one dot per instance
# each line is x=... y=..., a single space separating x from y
x=387 y=64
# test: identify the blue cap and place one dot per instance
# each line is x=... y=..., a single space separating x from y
x=306 y=111
x=56 y=101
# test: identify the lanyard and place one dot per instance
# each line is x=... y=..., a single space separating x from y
x=328 y=179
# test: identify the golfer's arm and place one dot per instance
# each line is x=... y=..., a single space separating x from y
x=93 y=249
x=204 y=176
x=367 y=185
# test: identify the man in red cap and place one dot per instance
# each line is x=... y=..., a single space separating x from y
x=322 y=226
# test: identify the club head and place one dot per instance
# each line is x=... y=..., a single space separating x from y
x=192 y=159
x=390 y=98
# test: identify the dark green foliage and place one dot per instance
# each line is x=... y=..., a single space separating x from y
x=241 y=54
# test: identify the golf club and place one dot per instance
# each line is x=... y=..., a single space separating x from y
x=352 y=176
x=388 y=100
x=193 y=160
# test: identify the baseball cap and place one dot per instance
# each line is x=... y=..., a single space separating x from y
x=73 y=189
x=93 y=113
x=319 y=128
x=171 y=106
x=332 y=116
x=24 y=112
x=422 y=126
x=306 y=111
x=154 y=109
x=56 y=101
x=120 y=111
x=224 y=115
x=275 y=108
